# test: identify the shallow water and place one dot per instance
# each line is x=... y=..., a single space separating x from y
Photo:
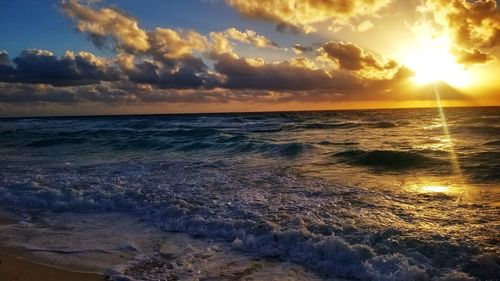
x=379 y=194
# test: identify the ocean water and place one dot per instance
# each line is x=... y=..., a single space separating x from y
x=407 y=194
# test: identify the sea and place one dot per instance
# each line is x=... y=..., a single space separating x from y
x=392 y=194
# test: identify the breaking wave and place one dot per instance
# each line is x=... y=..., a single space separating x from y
x=286 y=217
x=390 y=159
x=244 y=181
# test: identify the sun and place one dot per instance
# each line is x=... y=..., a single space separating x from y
x=432 y=61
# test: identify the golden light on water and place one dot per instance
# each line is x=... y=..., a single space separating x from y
x=435 y=188
x=453 y=187
x=446 y=131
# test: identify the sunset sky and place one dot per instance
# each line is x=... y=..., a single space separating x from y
x=129 y=57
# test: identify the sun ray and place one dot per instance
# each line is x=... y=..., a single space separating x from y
x=454 y=159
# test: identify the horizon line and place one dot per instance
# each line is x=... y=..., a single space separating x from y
x=236 y=112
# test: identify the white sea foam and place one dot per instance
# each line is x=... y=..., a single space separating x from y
x=244 y=185
x=334 y=231
x=125 y=247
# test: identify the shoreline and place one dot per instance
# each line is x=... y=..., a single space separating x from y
x=13 y=268
x=18 y=266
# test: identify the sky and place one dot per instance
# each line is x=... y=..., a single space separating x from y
x=91 y=57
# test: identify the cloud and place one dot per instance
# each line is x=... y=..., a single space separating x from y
x=4 y=58
x=219 y=44
x=6 y=67
x=40 y=66
x=474 y=56
x=243 y=73
x=472 y=23
x=124 y=30
x=186 y=76
x=130 y=93
x=363 y=26
x=167 y=43
x=107 y=22
x=149 y=72
x=474 y=26
x=299 y=49
x=251 y=37
x=115 y=93
x=351 y=57
x=301 y=15
x=163 y=57
x=183 y=66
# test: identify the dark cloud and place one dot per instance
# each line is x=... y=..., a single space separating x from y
x=34 y=94
x=6 y=67
x=40 y=66
x=279 y=81
x=190 y=75
x=167 y=65
x=129 y=93
x=351 y=57
x=298 y=48
x=163 y=57
x=146 y=72
x=474 y=56
x=241 y=73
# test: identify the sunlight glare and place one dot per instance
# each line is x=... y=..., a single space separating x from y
x=435 y=188
x=432 y=61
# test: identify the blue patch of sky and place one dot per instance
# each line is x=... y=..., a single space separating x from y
x=40 y=24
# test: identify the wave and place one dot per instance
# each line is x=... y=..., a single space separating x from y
x=234 y=179
x=347 y=125
x=329 y=143
x=480 y=129
x=182 y=140
x=55 y=141
x=384 y=124
x=265 y=129
x=492 y=143
x=389 y=159
x=287 y=149
x=324 y=126
x=483 y=166
x=246 y=213
x=193 y=133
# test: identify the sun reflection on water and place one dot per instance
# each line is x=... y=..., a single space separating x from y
x=447 y=135
x=435 y=188
x=453 y=187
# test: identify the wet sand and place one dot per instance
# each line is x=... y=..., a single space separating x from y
x=17 y=269
x=14 y=266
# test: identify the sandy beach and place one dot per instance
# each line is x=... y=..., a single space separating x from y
x=15 y=265
x=18 y=269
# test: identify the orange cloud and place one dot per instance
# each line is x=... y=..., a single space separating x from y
x=349 y=56
x=105 y=22
x=251 y=37
x=304 y=14
x=474 y=26
x=171 y=44
x=169 y=65
x=469 y=57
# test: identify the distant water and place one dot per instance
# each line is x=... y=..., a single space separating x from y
x=363 y=195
